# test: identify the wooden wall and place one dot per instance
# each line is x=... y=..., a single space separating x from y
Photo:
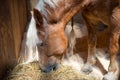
x=12 y=26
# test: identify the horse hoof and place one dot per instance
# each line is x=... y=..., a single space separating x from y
x=87 y=68
x=109 y=76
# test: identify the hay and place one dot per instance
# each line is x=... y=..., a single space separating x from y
x=31 y=72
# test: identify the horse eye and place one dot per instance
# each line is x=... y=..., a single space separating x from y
x=41 y=44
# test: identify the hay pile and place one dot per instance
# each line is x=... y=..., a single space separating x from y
x=31 y=72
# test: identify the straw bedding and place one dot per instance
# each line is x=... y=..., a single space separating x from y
x=31 y=71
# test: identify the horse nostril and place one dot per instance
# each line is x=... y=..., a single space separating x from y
x=55 y=67
x=44 y=71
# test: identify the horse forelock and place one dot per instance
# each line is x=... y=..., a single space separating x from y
x=43 y=5
x=52 y=10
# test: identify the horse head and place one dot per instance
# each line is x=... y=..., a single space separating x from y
x=54 y=42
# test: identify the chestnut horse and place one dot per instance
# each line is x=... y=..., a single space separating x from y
x=50 y=18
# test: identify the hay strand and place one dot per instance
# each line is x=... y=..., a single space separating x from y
x=31 y=71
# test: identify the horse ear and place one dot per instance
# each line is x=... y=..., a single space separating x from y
x=39 y=23
x=38 y=17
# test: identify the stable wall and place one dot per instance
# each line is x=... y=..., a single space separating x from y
x=12 y=26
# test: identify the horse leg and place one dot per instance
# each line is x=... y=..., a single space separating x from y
x=113 y=46
x=92 y=39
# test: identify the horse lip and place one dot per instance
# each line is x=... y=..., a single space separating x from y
x=46 y=71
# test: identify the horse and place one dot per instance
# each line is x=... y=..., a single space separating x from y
x=50 y=18
x=51 y=40
x=93 y=19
